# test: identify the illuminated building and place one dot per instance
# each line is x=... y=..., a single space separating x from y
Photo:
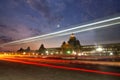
x=106 y=49
x=73 y=46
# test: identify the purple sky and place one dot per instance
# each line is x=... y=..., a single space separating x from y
x=21 y=19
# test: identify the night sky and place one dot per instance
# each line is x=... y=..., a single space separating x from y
x=21 y=19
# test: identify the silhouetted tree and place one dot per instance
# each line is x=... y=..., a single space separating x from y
x=28 y=49
x=21 y=50
x=42 y=49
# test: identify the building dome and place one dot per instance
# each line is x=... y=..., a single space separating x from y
x=72 y=35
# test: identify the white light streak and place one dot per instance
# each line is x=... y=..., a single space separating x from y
x=78 y=29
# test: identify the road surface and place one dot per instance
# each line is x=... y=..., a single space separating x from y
x=20 y=71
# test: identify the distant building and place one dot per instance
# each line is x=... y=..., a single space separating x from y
x=53 y=51
x=106 y=49
x=72 y=45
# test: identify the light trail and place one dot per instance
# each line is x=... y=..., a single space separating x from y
x=63 y=67
x=78 y=29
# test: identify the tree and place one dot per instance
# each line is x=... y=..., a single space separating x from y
x=42 y=49
x=28 y=49
x=21 y=50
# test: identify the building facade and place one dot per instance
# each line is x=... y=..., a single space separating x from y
x=73 y=47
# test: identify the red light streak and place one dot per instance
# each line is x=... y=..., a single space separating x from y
x=62 y=67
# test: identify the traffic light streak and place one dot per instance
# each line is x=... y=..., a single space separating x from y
x=61 y=67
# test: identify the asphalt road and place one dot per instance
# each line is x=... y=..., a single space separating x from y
x=19 y=71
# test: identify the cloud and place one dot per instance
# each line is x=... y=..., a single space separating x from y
x=4 y=39
x=11 y=33
x=25 y=31
x=15 y=2
x=41 y=6
x=46 y=9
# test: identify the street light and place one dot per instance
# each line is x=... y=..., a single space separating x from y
x=68 y=52
x=74 y=53
x=111 y=53
x=99 y=49
x=24 y=53
x=46 y=52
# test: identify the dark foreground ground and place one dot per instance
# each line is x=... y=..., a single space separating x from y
x=18 y=71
